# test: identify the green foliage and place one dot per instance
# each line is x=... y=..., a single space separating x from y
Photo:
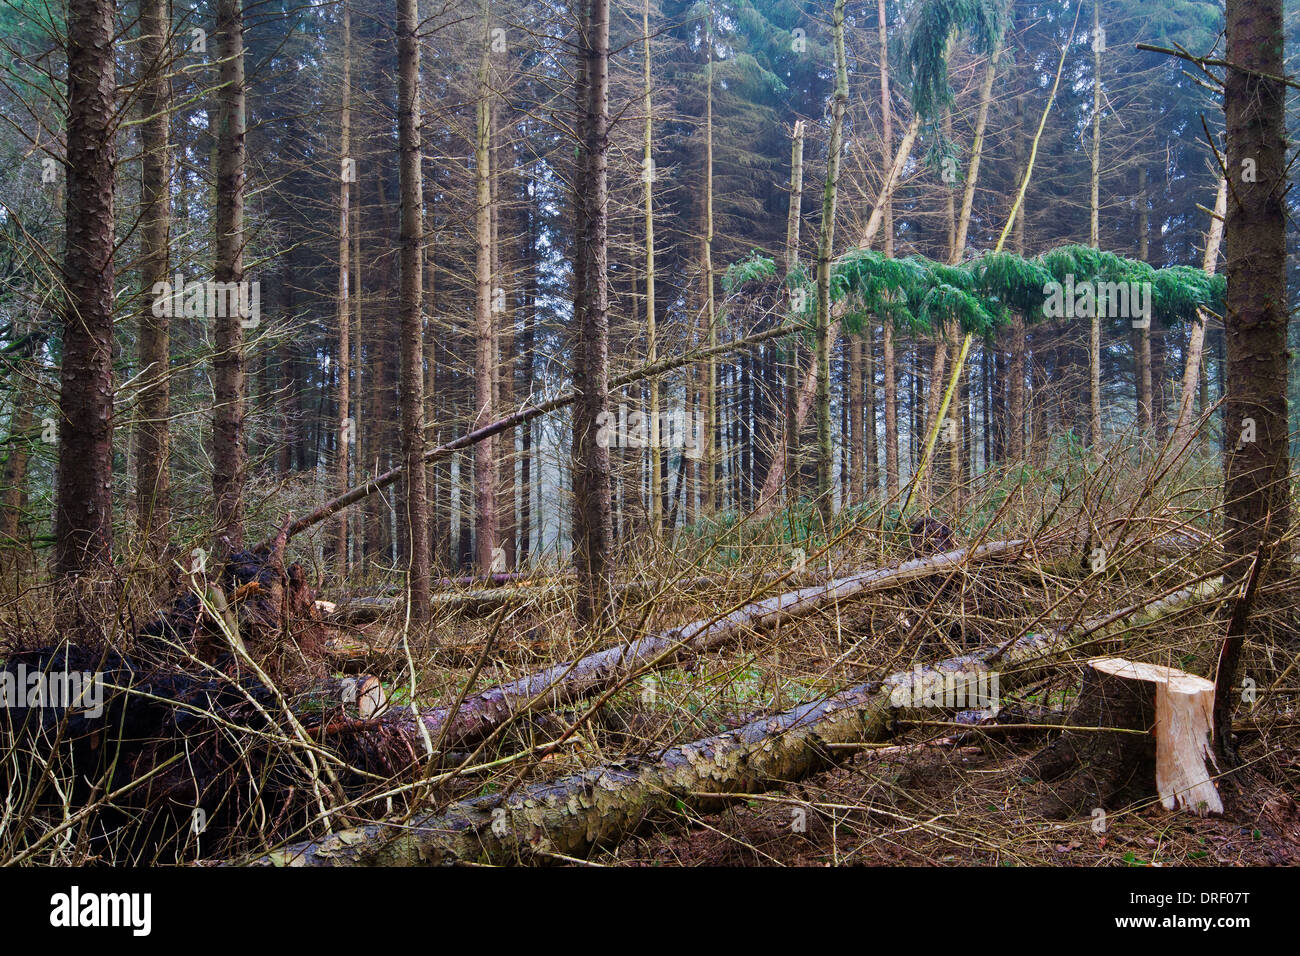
x=925 y=61
x=918 y=294
x=751 y=269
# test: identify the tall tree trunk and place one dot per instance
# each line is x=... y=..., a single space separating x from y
x=825 y=251
x=346 y=426
x=709 y=463
x=794 y=220
x=1094 y=234
x=153 y=439
x=887 y=330
x=1256 y=496
x=485 y=465
x=83 y=505
x=228 y=454
x=652 y=344
x=411 y=307
x=854 y=400
x=592 y=508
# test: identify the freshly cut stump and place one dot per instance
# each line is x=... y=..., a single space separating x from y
x=1156 y=740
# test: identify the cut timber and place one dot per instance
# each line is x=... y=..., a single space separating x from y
x=1159 y=723
x=570 y=816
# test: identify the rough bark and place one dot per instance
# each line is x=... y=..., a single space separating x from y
x=346 y=426
x=825 y=250
x=416 y=515
x=887 y=330
x=485 y=462
x=83 y=505
x=229 y=468
x=592 y=506
x=153 y=436
x=1094 y=234
x=652 y=344
x=1256 y=493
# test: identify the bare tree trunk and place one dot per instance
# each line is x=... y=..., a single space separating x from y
x=854 y=400
x=1094 y=234
x=83 y=506
x=485 y=463
x=652 y=344
x=709 y=461
x=592 y=517
x=794 y=220
x=887 y=330
x=153 y=439
x=825 y=251
x=228 y=454
x=1256 y=495
x=411 y=308
x=346 y=427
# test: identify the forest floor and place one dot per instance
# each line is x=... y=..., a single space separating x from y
x=945 y=794
x=949 y=788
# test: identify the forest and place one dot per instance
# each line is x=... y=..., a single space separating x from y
x=648 y=433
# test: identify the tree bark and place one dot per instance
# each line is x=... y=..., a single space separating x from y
x=83 y=505
x=652 y=344
x=1094 y=234
x=153 y=438
x=592 y=506
x=346 y=426
x=411 y=308
x=825 y=251
x=887 y=329
x=1256 y=494
x=485 y=462
x=229 y=469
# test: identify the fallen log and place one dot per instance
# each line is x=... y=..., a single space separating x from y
x=480 y=714
x=570 y=816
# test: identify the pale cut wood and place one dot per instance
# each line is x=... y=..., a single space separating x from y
x=1184 y=706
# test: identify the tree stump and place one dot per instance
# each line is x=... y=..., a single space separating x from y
x=1156 y=741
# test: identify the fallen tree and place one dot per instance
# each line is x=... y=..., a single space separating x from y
x=570 y=816
x=479 y=715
